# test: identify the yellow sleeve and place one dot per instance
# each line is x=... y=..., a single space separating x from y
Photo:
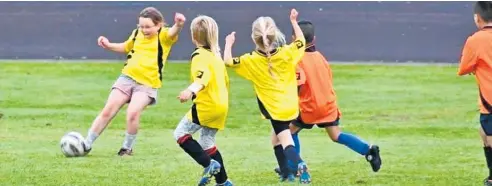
x=129 y=42
x=200 y=69
x=241 y=65
x=165 y=39
x=296 y=50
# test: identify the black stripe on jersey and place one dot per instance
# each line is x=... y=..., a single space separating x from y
x=160 y=52
x=263 y=109
x=135 y=35
x=194 y=115
x=485 y=103
x=273 y=52
x=129 y=56
x=193 y=55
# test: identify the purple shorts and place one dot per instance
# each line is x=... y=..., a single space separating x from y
x=129 y=86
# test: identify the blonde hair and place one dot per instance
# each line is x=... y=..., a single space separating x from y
x=265 y=35
x=205 y=31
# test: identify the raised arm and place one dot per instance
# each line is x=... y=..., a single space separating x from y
x=228 y=49
x=179 y=20
x=293 y=20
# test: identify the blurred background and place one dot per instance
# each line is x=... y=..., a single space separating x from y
x=346 y=31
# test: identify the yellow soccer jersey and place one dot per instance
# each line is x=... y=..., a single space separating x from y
x=211 y=104
x=277 y=93
x=147 y=56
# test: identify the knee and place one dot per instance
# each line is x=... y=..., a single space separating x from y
x=132 y=116
x=106 y=113
x=274 y=139
x=181 y=137
x=207 y=145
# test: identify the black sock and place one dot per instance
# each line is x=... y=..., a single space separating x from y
x=194 y=149
x=291 y=154
x=488 y=158
x=281 y=160
x=221 y=177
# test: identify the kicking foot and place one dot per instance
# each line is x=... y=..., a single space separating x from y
x=125 y=152
x=304 y=176
x=374 y=158
x=279 y=172
x=487 y=182
x=209 y=172
x=289 y=178
x=87 y=148
x=227 y=183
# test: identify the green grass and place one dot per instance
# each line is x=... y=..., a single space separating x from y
x=423 y=117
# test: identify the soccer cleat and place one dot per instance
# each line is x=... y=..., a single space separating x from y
x=123 y=152
x=374 y=158
x=289 y=178
x=227 y=183
x=208 y=172
x=487 y=182
x=87 y=148
x=304 y=176
x=279 y=172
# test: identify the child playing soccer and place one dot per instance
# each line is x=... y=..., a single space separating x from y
x=317 y=101
x=209 y=91
x=147 y=49
x=272 y=71
x=477 y=59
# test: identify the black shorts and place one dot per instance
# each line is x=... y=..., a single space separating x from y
x=486 y=123
x=299 y=123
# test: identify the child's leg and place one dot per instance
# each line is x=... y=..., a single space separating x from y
x=139 y=101
x=284 y=136
x=207 y=141
x=356 y=144
x=486 y=135
x=280 y=156
x=297 y=144
x=347 y=139
x=117 y=98
x=182 y=134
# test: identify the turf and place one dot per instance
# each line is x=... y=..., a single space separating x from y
x=423 y=117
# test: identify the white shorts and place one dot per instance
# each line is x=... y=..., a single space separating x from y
x=187 y=127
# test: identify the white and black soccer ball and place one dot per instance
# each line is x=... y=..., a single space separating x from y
x=72 y=144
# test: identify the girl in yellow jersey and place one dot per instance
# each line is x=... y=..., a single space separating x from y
x=147 y=49
x=273 y=73
x=209 y=91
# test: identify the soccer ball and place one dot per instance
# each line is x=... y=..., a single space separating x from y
x=72 y=144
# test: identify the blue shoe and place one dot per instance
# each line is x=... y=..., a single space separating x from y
x=209 y=171
x=227 y=183
x=289 y=178
x=304 y=176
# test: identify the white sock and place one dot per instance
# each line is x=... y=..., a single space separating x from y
x=129 y=141
x=91 y=137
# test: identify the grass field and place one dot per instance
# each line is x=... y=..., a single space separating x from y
x=423 y=117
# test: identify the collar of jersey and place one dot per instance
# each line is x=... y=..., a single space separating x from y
x=273 y=52
x=310 y=48
x=204 y=47
x=487 y=27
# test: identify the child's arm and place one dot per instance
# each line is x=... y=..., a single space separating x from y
x=201 y=77
x=179 y=20
x=293 y=20
x=469 y=58
x=115 y=47
x=228 y=49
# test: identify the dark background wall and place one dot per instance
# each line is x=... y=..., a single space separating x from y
x=346 y=31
